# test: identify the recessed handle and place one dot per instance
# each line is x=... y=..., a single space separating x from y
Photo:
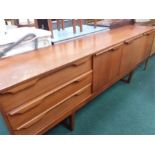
x=129 y=41
x=79 y=93
x=30 y=105
x=111 y=49
x=24 y=108
x=79 y=80
x=100 y=53
x=31 y=122
x=21 y=87
x=147 y=34
x=78 y=63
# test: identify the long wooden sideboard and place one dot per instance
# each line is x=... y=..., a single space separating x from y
x=42 y=88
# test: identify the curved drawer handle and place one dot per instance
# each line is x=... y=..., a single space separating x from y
x=104 y=51
x=147 y=34
x=79 y=63
x=111 y=49
x=129 y=41
x=79 y=80
x=116 y=47
x=21 y=87
x=24 y=108
x=31 y=122
x=79 y=93
x=99 y=53
x=32 y=104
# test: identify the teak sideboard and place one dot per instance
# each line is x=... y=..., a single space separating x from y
x=44 y=87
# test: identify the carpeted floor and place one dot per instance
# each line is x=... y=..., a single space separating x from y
x=122 y=109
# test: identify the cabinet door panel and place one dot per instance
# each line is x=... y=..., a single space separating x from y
x=106 y=67
x=115 y=64
x=126 y=59
x=132 y=54
x=150 y=39
x=138 y=49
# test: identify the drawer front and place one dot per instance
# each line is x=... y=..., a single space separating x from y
x=25 y=92
x=54 y=114
x=22 y=114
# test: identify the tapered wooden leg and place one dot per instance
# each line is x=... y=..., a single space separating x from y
x=62 y=24
x=58 y=24
x=146 y=62
x=129 y=78
x=95 y=22
x=50 y=26
x=70 y=122
x=80 y=24
x=74 y=25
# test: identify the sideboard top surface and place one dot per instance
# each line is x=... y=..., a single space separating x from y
x=20 y=68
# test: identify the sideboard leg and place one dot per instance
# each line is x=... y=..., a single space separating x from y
x=70 y=122
x=129 y=78
x=146 y=62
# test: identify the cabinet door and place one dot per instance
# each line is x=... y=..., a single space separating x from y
x=106 y=66
x=139 y=50
x=149 y=42
x=132 y=54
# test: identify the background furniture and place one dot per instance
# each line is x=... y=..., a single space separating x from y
x=112 y=23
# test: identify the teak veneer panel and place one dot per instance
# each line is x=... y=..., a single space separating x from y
x=132 y=54
x=150 y=39
x=106 y=65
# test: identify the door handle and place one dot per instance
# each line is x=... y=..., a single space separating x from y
x=129 y=41
x=111 y=49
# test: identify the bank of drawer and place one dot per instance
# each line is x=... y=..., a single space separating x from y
x=54 y=114
x=31 y=109
x=25 y=92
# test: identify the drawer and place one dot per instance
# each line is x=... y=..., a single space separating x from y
x=54 y=114
x=36 y=87
x=23 y=113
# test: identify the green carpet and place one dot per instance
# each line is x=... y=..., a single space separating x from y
x=3 y=128
x=122 y=109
